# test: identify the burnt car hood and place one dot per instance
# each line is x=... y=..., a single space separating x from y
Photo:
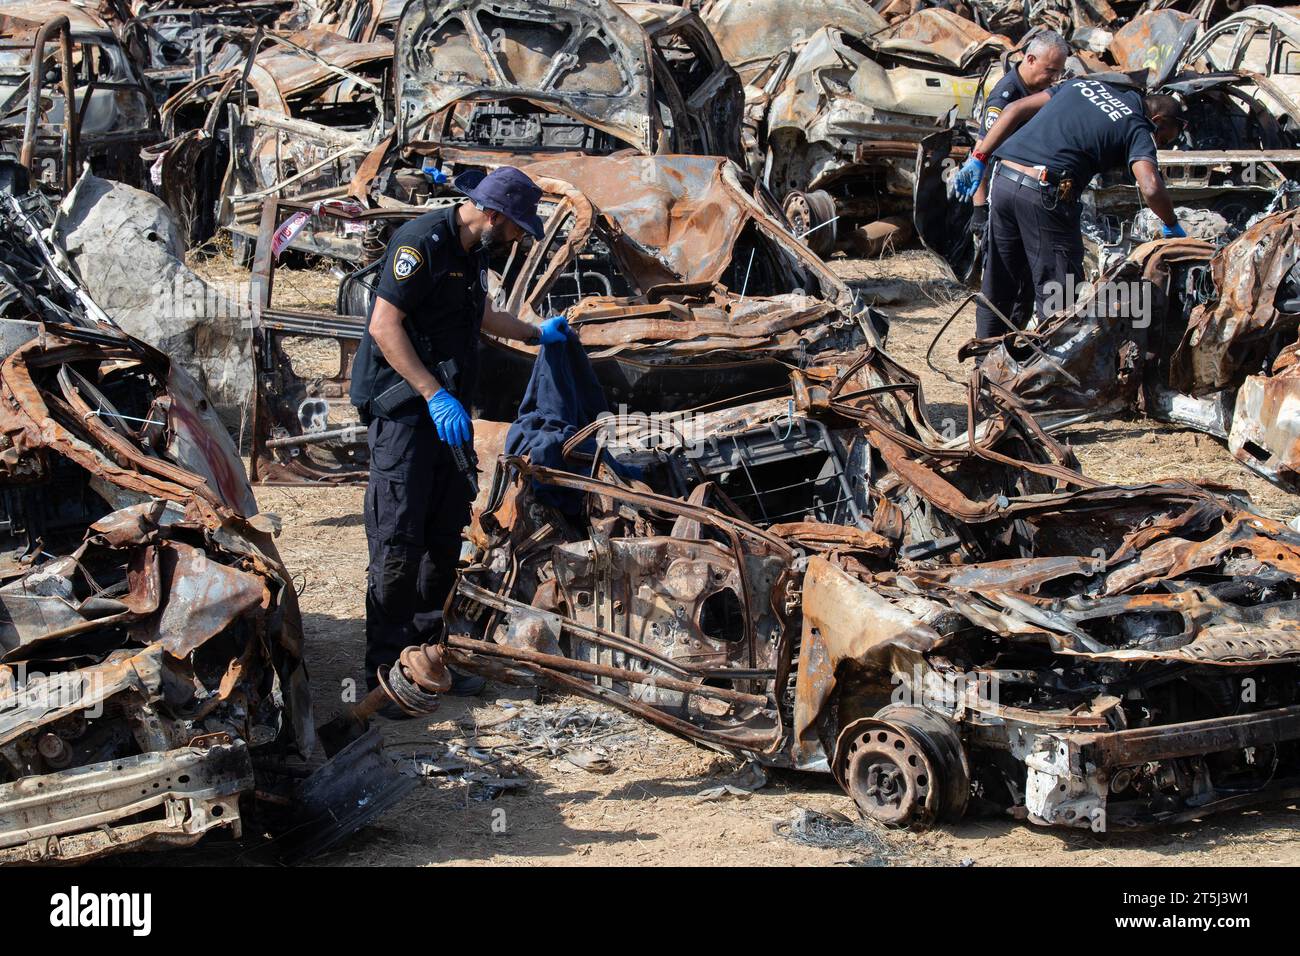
x=752 y=32
x=938 y=37
x=592 y=62
x=292 y=72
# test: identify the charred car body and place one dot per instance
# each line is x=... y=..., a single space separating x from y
x=823 y=581
x=299 y=119
x=53 y=54
x=151 y=673
x=1182 y=333
x=842 y=114
x=686 y=288
x=474 y=85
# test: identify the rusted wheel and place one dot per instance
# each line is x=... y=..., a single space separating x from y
x=811 y=216
x=903 y=768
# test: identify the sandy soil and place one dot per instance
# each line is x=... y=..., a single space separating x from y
x=649 y=809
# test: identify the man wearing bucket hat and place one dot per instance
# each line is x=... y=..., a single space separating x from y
x=429 y=306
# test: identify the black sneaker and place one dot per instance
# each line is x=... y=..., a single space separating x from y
x=465 y=685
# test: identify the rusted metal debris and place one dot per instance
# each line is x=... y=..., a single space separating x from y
x=151 y=673
x=314 y=115
x=824 y=581
x=1180 y=332
x=87 y=65
x=808 y=570
x=835 y=119
x=685 y=286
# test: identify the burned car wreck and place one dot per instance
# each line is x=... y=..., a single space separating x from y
x=314 y=116
x=686 y=289
x=842 y=114
x=151 y=671
x=56 y=53
x=1182 y=333
x=821 y=580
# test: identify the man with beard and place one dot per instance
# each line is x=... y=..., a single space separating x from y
x=429 y=306
x=1043 y=66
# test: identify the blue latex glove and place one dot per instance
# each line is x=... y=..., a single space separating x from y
x=554 y=329
x=969 y=178
x=1172 y=232
x=450 y=418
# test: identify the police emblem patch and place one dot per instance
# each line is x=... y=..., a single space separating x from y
x=991 y=117
x=407 y=260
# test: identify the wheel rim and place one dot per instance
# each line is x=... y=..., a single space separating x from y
x=889 y=777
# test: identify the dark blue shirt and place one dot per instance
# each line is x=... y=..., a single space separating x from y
x=1086 y=127
x=1008 y=89
x=441 y=288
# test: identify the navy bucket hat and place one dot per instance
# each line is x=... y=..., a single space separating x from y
x=508 y=191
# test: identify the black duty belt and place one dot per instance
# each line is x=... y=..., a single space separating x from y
x=1056 y=190
x=1017 y=177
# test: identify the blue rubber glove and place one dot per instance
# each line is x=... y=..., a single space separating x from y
x=450 y=418
x=1172 y=232
x=969 y=178
x=554 y=329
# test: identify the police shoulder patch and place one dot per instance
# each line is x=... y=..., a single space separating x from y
x=991 y=117
x=406 y=261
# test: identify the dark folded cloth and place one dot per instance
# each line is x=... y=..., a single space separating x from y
x=563 y=396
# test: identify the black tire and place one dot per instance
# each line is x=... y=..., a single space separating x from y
x=811 y=216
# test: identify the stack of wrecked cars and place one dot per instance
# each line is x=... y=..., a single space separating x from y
x=314 y=116
x=777 y=553
x=834 y=119
x=152 y=686
x=687 y=289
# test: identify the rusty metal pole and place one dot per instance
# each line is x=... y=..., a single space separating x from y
x=71 y=115
x=27 y=155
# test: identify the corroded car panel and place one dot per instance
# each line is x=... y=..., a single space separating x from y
x=152 y=687
x=998 y=632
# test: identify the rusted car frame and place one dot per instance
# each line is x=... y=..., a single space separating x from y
x=1006 y=635
x=52 y=54
x=842 y=114
x=675 y=308
x=152 y=685
x=292 y=114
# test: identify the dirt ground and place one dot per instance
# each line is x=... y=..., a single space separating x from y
x=654 y=805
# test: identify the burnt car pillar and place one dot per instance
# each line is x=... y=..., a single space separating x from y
x=59 y=27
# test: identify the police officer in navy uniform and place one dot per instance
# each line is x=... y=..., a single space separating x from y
x=1048 y=148
x=1042 y=66
x=429 y=306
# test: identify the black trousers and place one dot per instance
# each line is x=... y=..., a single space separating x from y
x=1033 y=256
x=417 y=505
